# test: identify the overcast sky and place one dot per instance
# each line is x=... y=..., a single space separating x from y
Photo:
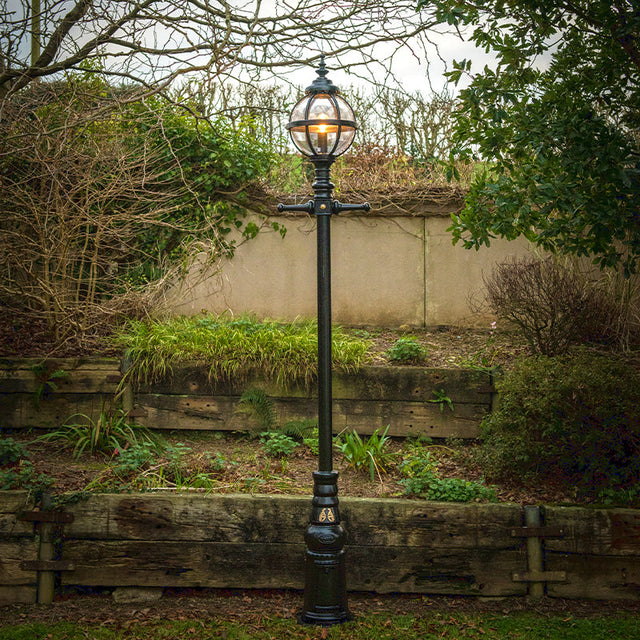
x=413 y=71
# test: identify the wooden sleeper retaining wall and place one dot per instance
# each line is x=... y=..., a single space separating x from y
x=375 y=397
x=394 y=545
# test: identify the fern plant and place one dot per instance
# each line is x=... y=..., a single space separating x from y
x=46 y=381
x=256 y=404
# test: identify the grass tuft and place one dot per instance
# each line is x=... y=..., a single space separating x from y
x=235 y=348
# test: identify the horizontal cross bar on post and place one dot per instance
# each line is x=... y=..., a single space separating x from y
x=47 y=565
x=540 y=576
x=537 y=532
x=45 y=516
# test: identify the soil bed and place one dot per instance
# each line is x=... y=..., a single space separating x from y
x=253 y=606
x=237 y=463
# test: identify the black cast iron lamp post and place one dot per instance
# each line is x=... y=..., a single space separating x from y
x=322 y=127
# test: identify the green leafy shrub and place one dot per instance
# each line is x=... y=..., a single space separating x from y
x=627 y=497
x=11 y=452
x=574 y=417
x=459 y=490
x=407 y=351
x=421 y=478
x=368 y=454
x=278 y=444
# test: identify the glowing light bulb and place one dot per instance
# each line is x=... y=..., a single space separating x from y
x=322 y=129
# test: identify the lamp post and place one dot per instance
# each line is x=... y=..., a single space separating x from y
x=322 y=126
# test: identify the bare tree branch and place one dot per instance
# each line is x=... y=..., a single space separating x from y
x=154 y=42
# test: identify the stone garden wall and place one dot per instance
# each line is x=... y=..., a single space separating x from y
x=387 y=270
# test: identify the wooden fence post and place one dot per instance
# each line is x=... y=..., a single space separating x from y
x=46 y=553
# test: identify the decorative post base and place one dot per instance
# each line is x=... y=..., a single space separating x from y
x=325 y=596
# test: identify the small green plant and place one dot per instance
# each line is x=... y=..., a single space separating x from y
x=312 y=441
x=175 y=455
x=255 y=404
x=421 y=478
x=442 y=399
x=218 y=463
x=23 y=476
x=200 y=480
x=370 y=454
x=417 y=462
x=300 y=429
x=277 y=444
x=11 y=452
x=110 y=433
x=134 y=458
x=46 y=381
x=407 y=351
x=252 y=483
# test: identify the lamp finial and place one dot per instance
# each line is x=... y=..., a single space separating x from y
x=322 y=84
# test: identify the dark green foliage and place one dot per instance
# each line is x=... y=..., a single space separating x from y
x=11 y=451
x=277 y=444
x=575 y=419
x=16 y=471
x=23 y=476
x=556 y=121
x=46 y=381
x=407 y=351
x=421 y=478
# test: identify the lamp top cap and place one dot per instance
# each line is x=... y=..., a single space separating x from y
x=322 y=84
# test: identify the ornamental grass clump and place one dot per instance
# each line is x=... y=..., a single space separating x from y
x=235 y=348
